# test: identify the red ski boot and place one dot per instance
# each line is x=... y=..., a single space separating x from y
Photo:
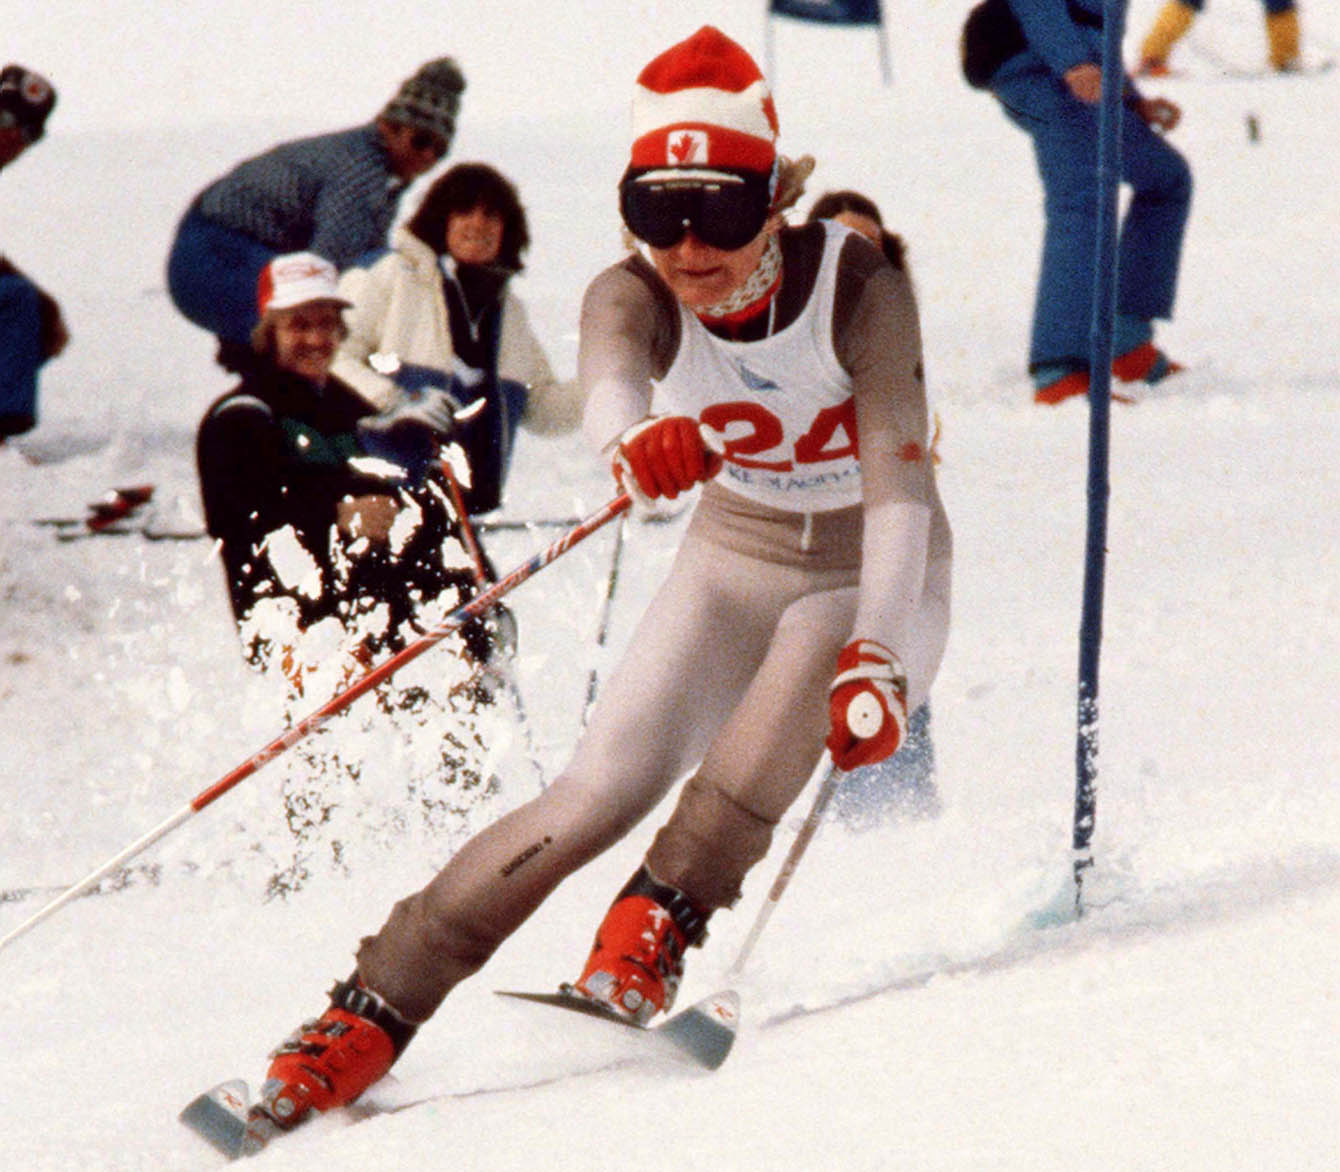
x=637 y=961
x=1145 y=364
x=331 y=1061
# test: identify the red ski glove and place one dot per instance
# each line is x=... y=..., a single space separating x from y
x=867 y=705
x=664 y=456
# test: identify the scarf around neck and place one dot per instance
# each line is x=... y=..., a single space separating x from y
x=757 y=289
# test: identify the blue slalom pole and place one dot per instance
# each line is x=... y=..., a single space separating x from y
x=1100 y=386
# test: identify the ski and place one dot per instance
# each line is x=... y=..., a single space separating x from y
x=225 y=1119
x=116 y=504
x=129 y=511
x=147 y=524
x=703 y=1033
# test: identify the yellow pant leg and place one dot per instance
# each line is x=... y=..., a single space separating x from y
x=1283 y=37
x=1169 y=27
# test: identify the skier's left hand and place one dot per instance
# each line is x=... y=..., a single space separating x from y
x=867 y=705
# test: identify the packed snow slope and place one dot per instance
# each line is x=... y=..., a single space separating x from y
x=901 y=1011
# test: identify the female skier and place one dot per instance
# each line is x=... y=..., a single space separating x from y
x=809 y=601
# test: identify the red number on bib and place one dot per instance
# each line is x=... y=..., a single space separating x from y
x=812 y=447
x=765 y=433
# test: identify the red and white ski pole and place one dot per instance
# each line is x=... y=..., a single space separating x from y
x=467 y=529
x=308 y=725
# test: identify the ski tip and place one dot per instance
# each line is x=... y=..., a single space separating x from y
x=223 y=1118
x=706 y=1031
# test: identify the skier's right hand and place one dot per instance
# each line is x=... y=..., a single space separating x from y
x=662 y=456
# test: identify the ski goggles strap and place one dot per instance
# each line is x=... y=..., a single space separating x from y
x=724 y=209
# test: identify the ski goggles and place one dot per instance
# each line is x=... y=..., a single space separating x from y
x=724 y=209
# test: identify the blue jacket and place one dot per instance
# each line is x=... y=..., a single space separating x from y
x=1060 y=33
x=332 y=194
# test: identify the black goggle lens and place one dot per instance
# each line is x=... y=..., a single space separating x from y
x=725 y=214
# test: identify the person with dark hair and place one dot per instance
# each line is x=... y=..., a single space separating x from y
x=31 y=327
x=308 y=527
x=861 y=214
x=808 y=604
x=332 y=194
x=437 y=310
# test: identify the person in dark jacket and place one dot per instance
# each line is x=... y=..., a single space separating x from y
x=1043 y=67
x=31 y=327
x=332 y=194
x=319 y=502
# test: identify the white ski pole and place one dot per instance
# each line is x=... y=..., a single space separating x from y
x=607 y=608
x=832 y=777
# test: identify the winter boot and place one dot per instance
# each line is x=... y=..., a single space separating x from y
x=1050 y=390
x=331 y=1061
x=1144 y=364
x=1284 y=39
x=1169 y=27
x=637 y=961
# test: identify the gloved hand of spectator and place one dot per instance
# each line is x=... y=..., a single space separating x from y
x=410 y=433
x=662 y=456
x=867 y=705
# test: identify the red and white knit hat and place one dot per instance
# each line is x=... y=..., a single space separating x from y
x=704 y=103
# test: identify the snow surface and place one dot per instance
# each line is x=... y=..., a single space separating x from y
x=899 y=1012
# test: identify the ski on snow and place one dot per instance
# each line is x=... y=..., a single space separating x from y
x=129 y=512
x=701 y=1036
x=121 y=512
x=703 y=1033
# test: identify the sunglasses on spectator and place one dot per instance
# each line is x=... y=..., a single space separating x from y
x=425 y=140
x=725 y=210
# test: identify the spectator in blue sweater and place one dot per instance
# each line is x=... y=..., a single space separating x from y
x=31 y=327
x=1040 y=59
x=332 y=194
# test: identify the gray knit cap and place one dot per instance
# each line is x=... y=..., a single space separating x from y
x=430 y=99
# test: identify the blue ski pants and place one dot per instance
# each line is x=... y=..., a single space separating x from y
x=20 y=353
x=212 y=273
x=1064 y=131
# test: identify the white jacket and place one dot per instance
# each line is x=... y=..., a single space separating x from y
x=399 y=314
